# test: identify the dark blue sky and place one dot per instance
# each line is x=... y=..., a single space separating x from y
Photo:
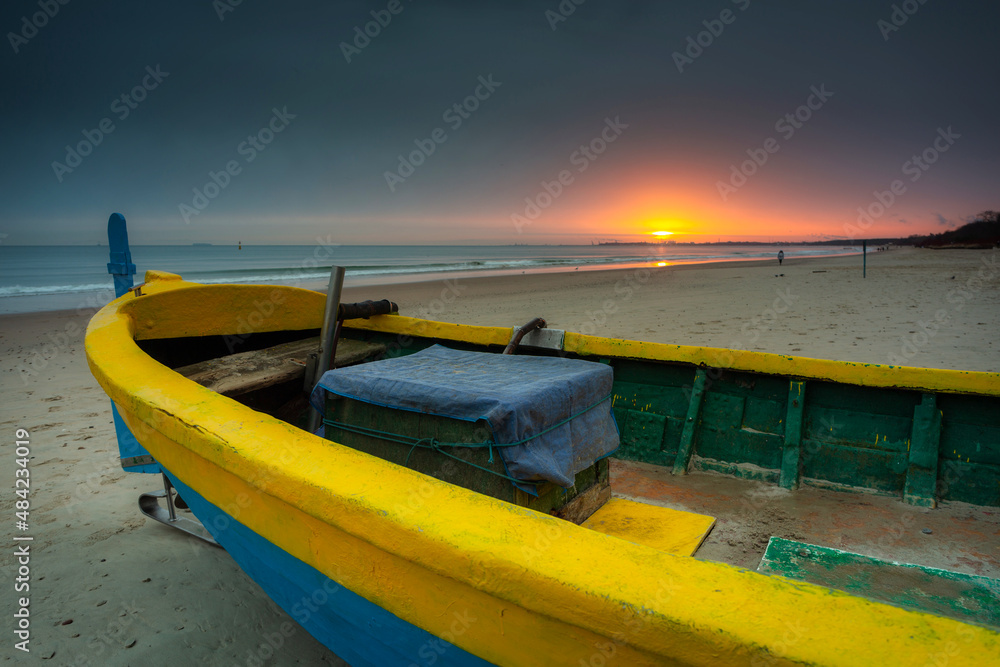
x=225 y=81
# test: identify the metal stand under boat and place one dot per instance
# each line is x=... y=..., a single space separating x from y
x=149 y=504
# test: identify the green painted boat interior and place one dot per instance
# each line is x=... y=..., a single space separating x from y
x=920 y=446
x=965 y=597
x=784 y=463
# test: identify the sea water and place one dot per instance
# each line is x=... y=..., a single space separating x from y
x=37 y=278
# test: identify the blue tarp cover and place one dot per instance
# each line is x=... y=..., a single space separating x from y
x=518 y=396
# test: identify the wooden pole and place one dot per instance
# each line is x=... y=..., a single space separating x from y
x=864 y=259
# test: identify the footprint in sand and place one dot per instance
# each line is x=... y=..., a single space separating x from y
x=52 y=398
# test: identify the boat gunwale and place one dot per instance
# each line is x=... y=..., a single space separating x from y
x=596 y=599
x=863 y=374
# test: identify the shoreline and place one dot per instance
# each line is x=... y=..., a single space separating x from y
x=102 y=296
x=808 y=306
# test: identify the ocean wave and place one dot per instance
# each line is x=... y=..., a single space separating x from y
x=299 y=274
x=40 y=290
x=312 y=274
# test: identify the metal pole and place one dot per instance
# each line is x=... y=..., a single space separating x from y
x=327 y=334
x=864 y=259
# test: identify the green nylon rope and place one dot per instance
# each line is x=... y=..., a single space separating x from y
x=427 y=443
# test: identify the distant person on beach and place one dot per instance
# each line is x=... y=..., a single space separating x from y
x=781 y=257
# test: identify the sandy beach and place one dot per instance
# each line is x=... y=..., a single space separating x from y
x=109 y=587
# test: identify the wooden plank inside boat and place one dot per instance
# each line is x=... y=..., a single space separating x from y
x=966 y=597
x=244 y=372
x=662 y=528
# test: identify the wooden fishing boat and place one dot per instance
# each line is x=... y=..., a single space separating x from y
x=388 y=565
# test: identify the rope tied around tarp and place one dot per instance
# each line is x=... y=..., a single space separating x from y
x=439 y=447
x=429 y=443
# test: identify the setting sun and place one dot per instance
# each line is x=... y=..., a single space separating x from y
x=662 y=233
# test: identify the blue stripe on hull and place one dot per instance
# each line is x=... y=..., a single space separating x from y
x=357 y=630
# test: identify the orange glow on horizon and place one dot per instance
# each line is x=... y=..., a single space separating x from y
x=679 y=203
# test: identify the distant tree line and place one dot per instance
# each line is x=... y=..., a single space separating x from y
x=983 y=232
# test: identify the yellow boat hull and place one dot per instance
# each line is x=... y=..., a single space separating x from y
x=504 y=584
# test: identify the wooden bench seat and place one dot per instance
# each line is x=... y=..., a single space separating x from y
x=244 y=372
